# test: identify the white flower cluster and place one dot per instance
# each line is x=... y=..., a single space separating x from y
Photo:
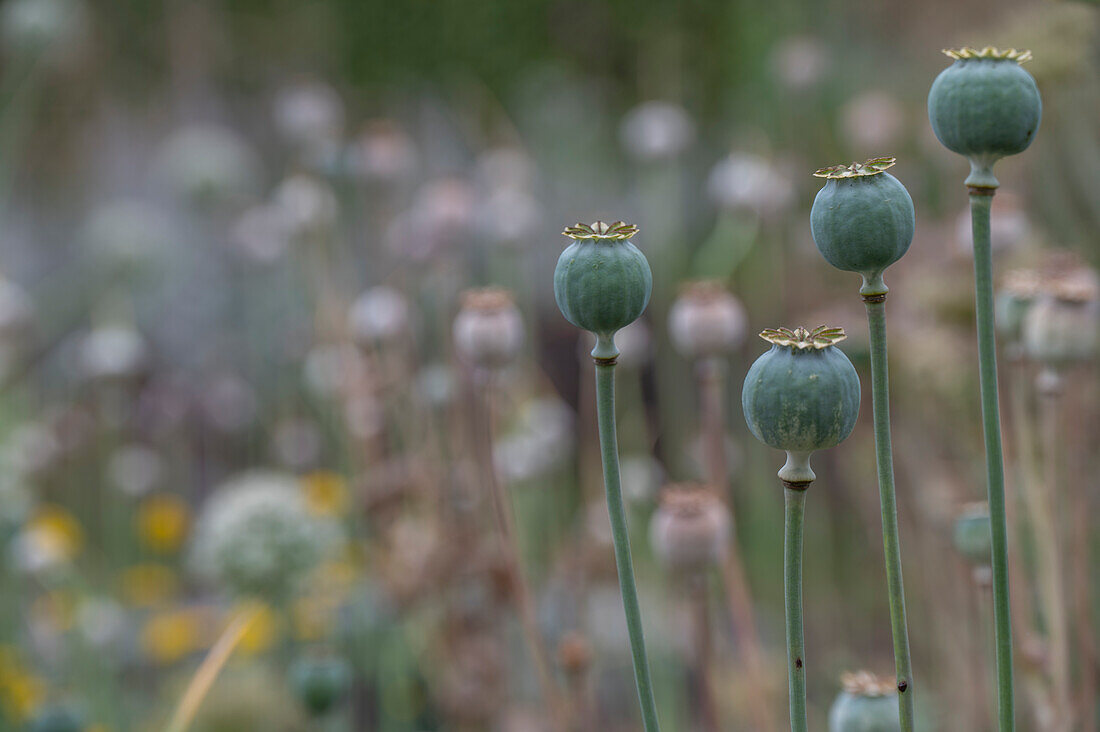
x=256 y=536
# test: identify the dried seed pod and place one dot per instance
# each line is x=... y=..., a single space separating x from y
x=488 y=330
x=706 y=320
x=691 y=528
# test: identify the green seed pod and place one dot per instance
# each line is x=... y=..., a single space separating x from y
x=971 y=535
x=602 y=282
x=867 y=704
x=320 y=683
x=985 y=106
x=801 y=396
x=862 y=220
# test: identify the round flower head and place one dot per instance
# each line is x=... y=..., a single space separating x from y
x=862 y=220
x=379 y=315
x=488 y=330
x=866 y=704
x=801 y=396
x=706 y=320
x=257 y=536
x=985 y=106
x=657 y=131
x=602 y=282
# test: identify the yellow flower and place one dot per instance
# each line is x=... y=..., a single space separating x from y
x=326 y=493
x=148 y=585
x=21 y=692
x=170 y=636
x=57 y=531
x=162 y=522
x=262 y=632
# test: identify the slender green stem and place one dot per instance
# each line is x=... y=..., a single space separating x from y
x=980 y=202
x=884 y=455
x=609 y=447
x=795 y=505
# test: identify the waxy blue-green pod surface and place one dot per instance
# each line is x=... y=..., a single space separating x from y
x=803 y=394
x=862 y=220
x=867 y=704
x=602 y=282
x=985 y=106
x=972 y=536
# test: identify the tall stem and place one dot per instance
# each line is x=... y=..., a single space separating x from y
x=981 y=200
x=884 y=455
x=525 y=603
x=795 y=506
x=609 y=448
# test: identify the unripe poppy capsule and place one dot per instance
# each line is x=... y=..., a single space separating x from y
x=866 y=704
x=602 y=282
x=985 y=106
x=801 y=396
x=862 y=220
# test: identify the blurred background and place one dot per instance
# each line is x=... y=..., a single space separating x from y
x=281 y=370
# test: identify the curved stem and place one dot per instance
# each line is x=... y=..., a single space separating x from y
x=981 y=200
x=884 y=455
x=609 y=447
x=795 y=505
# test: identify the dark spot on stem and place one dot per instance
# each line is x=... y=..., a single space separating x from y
x=798 y=663
x=902 y=686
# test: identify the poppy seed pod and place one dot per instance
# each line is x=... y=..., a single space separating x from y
x=706 y=320
x=866 y=704
x=985 y=106
x=602 y=282
x=801 y=396
x=488 y=330
x=320 y=683
x=862 y=220
x=691 y=528
x=1062 y=326
x=971 y=535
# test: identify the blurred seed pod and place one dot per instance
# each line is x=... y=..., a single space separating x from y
x=746 y=182
x=309 y=113
x=384 y=153
x=308 y=204
x=379 y=316
x=320 y=684
x=488 y=330
x=971 y=534
x=113 y=353
x=1062 y=326
x=131 y=234
x=208 y=165
x=691 y=529
x=507 y=216
x=706 y=320
x=866 y=704
x=799 y=62
x=656 y=131
x=31 y=27
x=134 y=470
x=874 y=121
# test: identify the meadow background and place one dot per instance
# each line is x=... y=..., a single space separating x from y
x=234 y=237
